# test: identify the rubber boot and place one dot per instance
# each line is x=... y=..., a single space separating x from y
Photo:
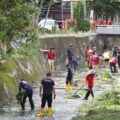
x=41 y=112
x=71 y=87
x=49 y=111
x=67 y=87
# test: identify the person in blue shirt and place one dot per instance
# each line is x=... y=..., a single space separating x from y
x=27 y=92
x=70 y=54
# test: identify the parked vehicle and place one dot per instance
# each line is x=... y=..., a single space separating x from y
x=48 y=25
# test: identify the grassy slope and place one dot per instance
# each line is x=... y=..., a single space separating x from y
x=105 y=107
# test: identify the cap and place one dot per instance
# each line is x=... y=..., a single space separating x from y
x=91 y=71
x=90 y=51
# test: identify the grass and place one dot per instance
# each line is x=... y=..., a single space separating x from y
x=105 y=107
x=1 y=111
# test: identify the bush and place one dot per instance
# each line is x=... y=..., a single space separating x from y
x=83 y=25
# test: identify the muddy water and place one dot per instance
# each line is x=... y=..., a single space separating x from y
x=64 y=106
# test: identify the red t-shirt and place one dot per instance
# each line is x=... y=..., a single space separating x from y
x=113 y=60
x=51 y=55
x=90 y=80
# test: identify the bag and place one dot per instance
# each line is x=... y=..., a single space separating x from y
x=95 y=57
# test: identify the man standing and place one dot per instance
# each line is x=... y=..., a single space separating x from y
x=70 y=55
x=28 y=92
x=51 y=58
x=47 y=91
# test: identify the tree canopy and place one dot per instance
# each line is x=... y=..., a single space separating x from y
x=15 y=19
x=106 y=8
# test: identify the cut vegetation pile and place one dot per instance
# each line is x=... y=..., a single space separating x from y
x=105 y=107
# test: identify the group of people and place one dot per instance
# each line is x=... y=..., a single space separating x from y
x=103 y=22
x=47 y=85
x=47 y=92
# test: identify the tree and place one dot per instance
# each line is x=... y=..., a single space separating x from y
x=105 y=8
x=15 y=20
x=78 y=14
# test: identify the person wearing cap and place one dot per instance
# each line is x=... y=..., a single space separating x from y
x=95 y=60
x=89 y=58
x=90 y=83
x=27 y=92
x=70 y=54
x=47 y=92
x=86 y=53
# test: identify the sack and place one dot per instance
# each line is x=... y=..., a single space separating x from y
x=95 y=57
x=19 y=97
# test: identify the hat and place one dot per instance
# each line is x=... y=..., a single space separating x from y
x=91 y=71
x=90 y=51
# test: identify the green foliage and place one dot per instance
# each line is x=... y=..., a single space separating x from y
x=9 y=82
x=29 y=50
x=106 y=8
x=1 y=111
x=105 y=107
x=16 y=17
x=106 y=74
x=82 y=24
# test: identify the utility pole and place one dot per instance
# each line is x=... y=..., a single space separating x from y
x=62 y=11
x=71 y=4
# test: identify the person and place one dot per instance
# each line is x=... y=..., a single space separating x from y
x=70 y=54
x=114 y=50
x=113 y=62
x=118 y=57
x=90 y=83
x=89 y=58
x=75 y=63
x=51 y=58
x=47 y=91
x=69 y=78
x=109 y=22
x=86 y=53
x=95 y=59
x=27 y=92
x=106 y=56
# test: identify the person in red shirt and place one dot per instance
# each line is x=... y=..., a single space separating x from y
x=113 y=62
x=89 y=58
x=104 y=23
x=97 y=23
x=94 y=59
x=90 y=83
x=109 y=22
x=86 y=53
x=51 y=58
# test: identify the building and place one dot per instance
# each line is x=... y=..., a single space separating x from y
x=60 y=11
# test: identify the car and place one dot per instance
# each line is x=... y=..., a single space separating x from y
x=49 y=25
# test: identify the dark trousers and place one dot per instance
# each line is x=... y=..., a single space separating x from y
x=29 y=94
x=46 y=98
x=113 y=67
x=118 y=60
x=74 y=65
x=89 y=91
x=69 y=80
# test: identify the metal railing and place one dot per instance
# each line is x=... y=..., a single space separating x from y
x=108 y=29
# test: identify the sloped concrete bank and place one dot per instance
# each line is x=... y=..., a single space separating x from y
x=19 y=67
